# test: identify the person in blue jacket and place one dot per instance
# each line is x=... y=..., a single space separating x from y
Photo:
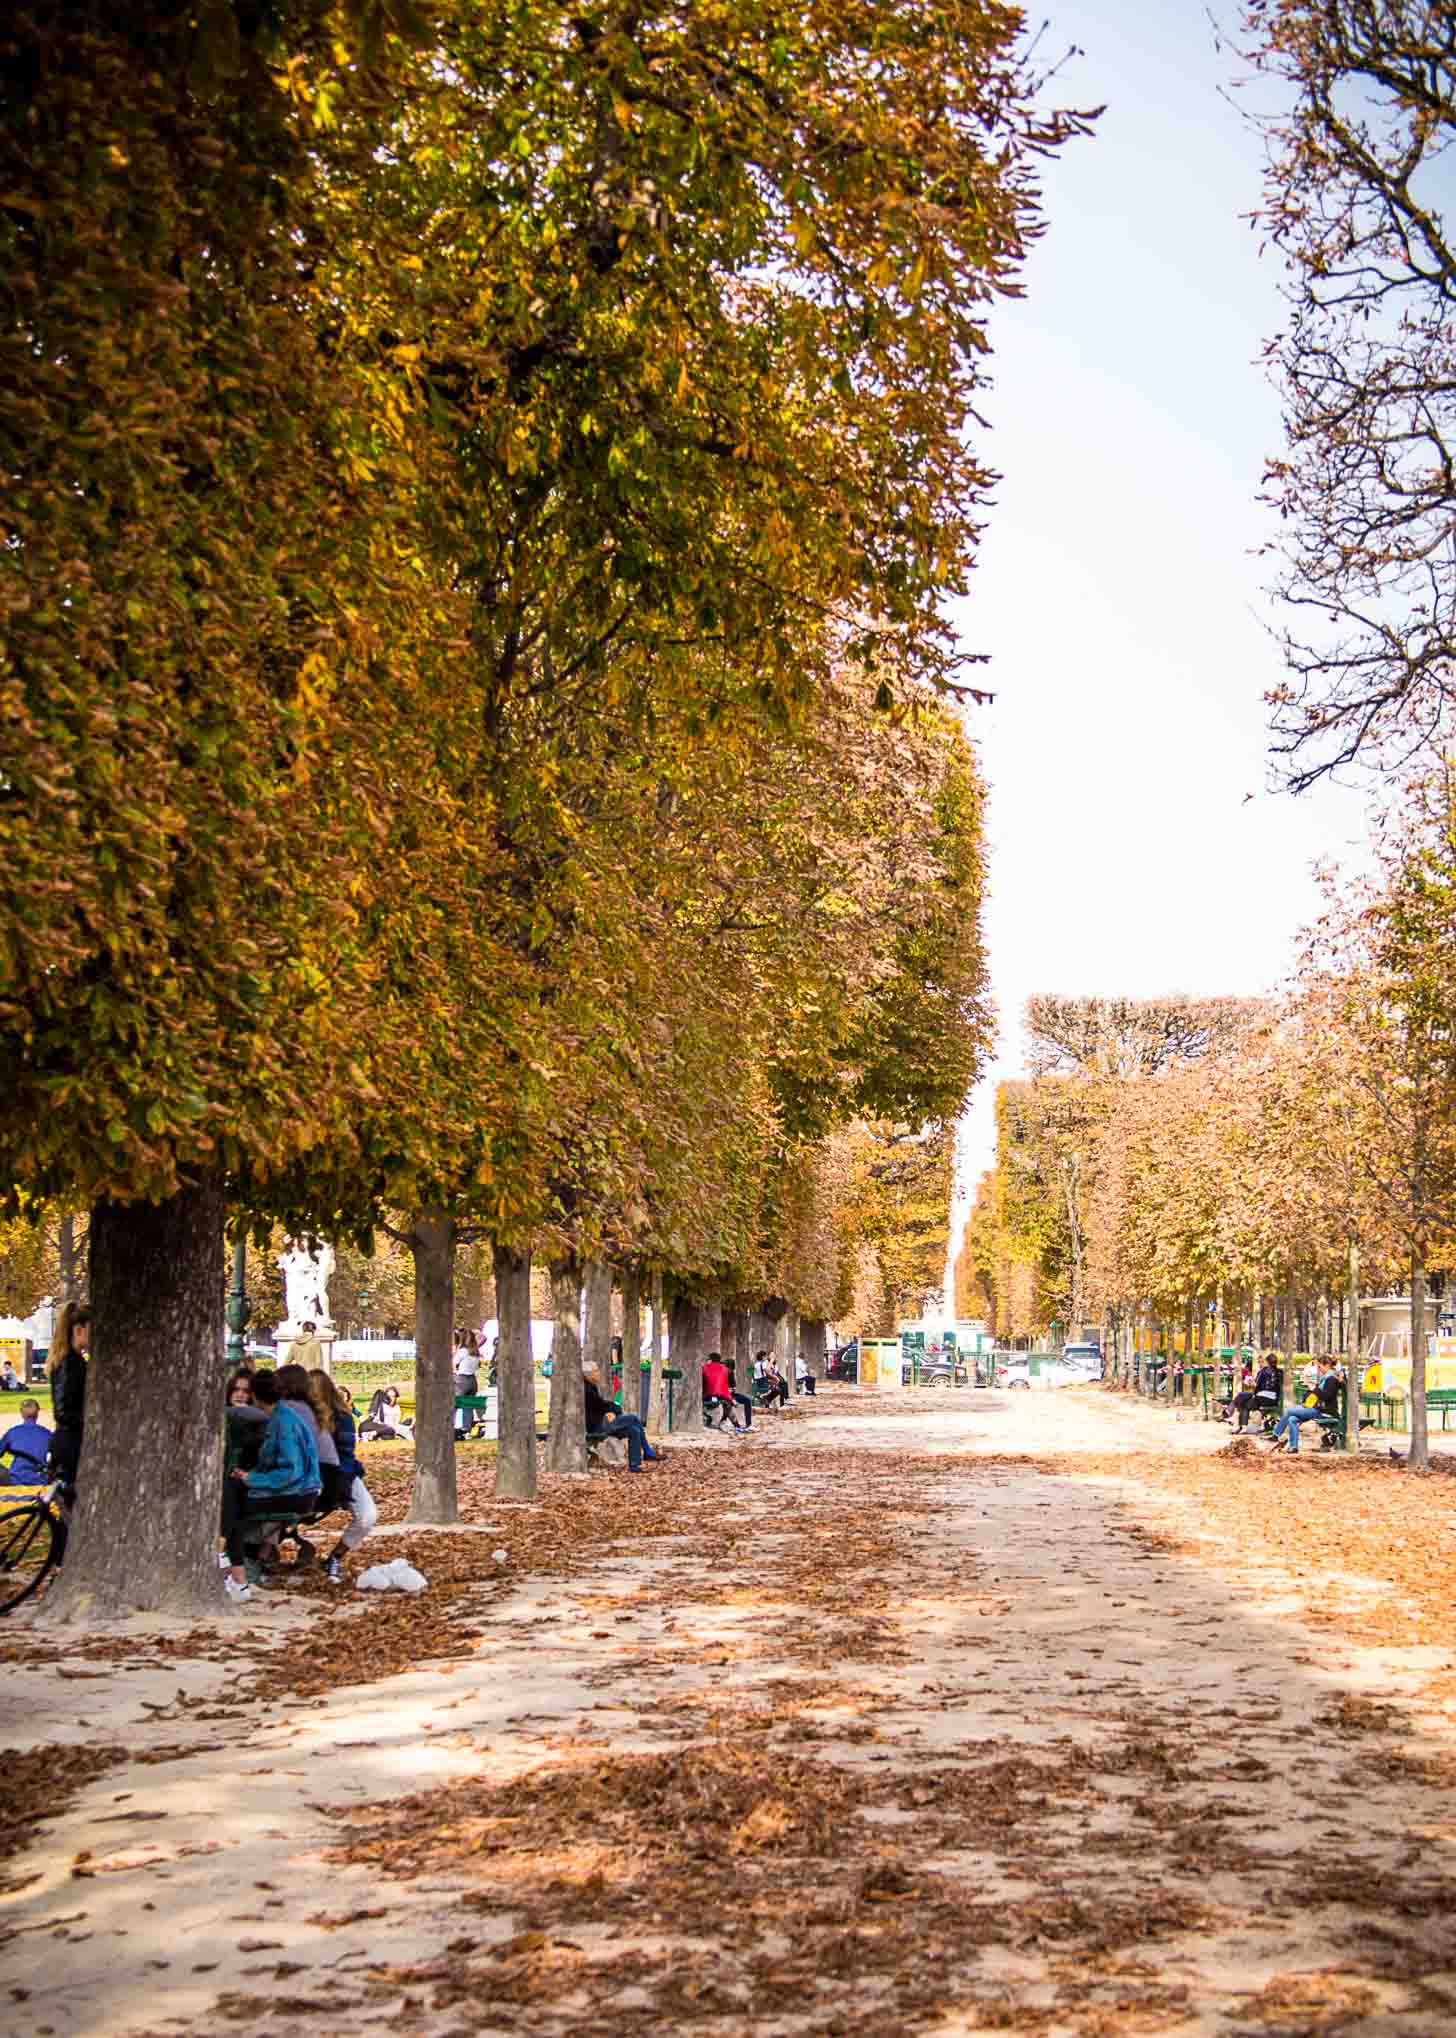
x=27 y=1445
x=285 y=1476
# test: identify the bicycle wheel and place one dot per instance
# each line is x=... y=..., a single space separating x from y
x=27 y=1551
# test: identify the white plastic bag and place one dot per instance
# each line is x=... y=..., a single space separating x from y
x=400 y=1576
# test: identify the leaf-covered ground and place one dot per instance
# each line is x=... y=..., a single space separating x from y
x=941 y=1717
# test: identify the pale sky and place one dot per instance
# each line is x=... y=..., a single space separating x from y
x=1116 y=590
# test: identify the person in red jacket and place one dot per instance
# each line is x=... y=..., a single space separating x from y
x=719 y=1391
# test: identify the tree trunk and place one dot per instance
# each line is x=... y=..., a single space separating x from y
x=1420 y=1454
x=66 y=1256
x=566 y=1429
x=656 y=1417
x=711 y=1329
x=1352 y=1363
x=789 y=1346
x=432 y=1248
x=634 y=1381
x=144 y=1537
x=685 y=1352
x=813 y=1341
x=515 y=1373
x=596 y=1330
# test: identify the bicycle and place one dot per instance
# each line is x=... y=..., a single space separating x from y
x=32 y=1543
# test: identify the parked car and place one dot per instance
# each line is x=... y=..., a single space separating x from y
x=1086 y=1356
x=845 y=1363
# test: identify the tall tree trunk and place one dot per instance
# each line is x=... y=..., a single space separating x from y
x=1420 y=1453
x=596 y=1331
x=685 y=1352
x=711 y=1329
x=432 y=1247
x=656 y=1417
x=144 y=1538
x=813 y=1340
x=789 y=1346
x=634 y=1380
x=731 y=1340
x=566 y=1430
x=515 y=1373
x=66 y=1255
x=1352 y=1362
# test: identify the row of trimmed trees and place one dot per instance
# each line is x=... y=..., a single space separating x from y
x=481 y=491
x=1272 y=1160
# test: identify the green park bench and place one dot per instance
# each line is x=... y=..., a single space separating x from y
x=473 y=1407
x=1443 y=1398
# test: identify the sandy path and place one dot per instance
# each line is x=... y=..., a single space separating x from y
x=1180 y=1810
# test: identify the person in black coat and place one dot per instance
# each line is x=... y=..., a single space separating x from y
x=67 y=1369
x=1263 y=1397
x=603 y=1419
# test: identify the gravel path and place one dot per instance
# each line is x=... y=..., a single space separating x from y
x=932 y=1714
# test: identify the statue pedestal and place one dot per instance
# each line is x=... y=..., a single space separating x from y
x=287 y=1335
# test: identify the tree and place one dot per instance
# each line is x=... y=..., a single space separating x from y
x=1126 y=1037
x=400 y=407
x=1356 y=204
x=217 y=662
x=1382 y=988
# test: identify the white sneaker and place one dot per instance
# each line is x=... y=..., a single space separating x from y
x=235 y=1590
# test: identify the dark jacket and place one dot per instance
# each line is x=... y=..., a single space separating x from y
x=1266 y=1383
x=1327 y=1395
x=346 y=1435
x=68 y=1393
x=598 y=1412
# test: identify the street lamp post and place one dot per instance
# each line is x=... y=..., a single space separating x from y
x=239 y=1308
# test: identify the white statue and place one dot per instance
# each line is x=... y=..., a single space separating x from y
x=306 y=1282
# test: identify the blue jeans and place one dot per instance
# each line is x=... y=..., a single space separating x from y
x=1288 y=1426
x=630 y=1427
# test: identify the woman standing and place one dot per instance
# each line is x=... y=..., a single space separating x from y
x=466 y=1362
x=66 y=1367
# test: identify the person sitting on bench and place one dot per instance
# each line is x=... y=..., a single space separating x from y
x=1326 y=1403
x=802 y=1375
x=1263 y=1397
x=720 y=1393
x=28 y=1445
x=286 y=1477
x=769 y=1383
x=603 y=1420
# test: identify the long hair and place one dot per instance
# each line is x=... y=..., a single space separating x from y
x=72 y=1316
x=321 y=1398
